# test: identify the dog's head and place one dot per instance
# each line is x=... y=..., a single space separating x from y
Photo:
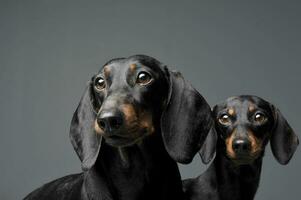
x=132 y=98
x=245 y=124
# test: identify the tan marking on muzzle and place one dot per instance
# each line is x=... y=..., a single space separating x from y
x=129 y=113
x=97 y=129
x=147 y=123
x=141 y=120
x=229 y=142
x=255 y=143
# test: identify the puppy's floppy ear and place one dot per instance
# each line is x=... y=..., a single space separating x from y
x=284 y=141
x=208 y=149
x=185 y=121
x=83 y=137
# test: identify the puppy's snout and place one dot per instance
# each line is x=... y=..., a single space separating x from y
x=241 y=145
x=110 y=121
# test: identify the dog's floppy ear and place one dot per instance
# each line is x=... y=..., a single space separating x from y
x=283 y=139
x=208 y=149
x=186 y=119
x=84 y=139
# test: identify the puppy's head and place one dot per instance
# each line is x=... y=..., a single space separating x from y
x=132 y=98
x=245 y=124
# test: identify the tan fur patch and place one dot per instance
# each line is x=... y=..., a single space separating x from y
x=231 y=111
x=106 y=71
x=129 y=113
x=133 y=67
x=98 y=130
x=143 y=122
x=229 y=142
x=251 y=108
x=255 y=143
x=147 y=123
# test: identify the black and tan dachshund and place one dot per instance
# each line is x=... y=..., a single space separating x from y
x=134 y=121
x=243 y=125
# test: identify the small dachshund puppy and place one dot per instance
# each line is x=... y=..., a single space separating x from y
x=136 y=119
x=243 y=127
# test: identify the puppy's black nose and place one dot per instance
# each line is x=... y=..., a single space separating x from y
x=110 y=121
x=241 y=145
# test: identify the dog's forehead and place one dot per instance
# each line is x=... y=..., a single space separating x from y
x=245 y=103
x=123 y=65
x=239 y=103
x=120 y=65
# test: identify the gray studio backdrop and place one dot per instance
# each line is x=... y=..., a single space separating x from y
x=50 y=49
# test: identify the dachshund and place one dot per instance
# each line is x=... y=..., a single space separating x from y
x=134 y=122
x=243 y=127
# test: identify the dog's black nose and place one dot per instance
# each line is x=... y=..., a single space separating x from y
x=241 y=145
x=110 y=121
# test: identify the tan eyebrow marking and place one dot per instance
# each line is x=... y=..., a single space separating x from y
x=106 y=71
x=231 y=111
x=251 y=108
x=133 y=66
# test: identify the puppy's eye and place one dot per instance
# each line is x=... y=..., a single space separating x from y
x=144 y=78
x=260 y=118
x=224 y=119
x=100 y=83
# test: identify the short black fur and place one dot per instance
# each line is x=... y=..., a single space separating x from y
x=129 y=136
x=235 y=174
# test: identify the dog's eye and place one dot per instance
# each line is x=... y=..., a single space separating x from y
x=224 y=119
x=144 y=78
x=260 y=118
x=100 y=83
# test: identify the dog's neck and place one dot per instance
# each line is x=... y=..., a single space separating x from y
x=141 y=171
x=235 y=182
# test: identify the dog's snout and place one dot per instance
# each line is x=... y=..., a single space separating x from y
x=110 y=121
x=241 y=145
